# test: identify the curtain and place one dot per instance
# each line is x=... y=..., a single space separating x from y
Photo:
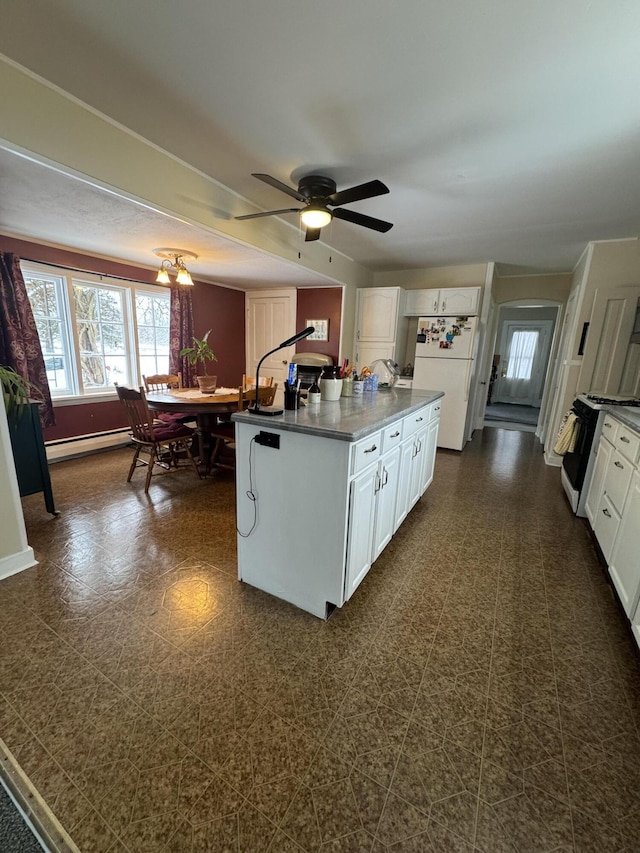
x=19 y=340
x=516 y=385
x=181 y=333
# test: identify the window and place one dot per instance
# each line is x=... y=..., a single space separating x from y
x=521 y=354
x=95 y=331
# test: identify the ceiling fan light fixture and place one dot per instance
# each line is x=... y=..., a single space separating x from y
x=315 y=217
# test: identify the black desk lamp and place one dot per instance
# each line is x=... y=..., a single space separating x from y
x=273 y=410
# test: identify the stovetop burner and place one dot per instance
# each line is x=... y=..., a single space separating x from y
x=613 y=401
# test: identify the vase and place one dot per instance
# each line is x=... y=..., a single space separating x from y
x=207 y=384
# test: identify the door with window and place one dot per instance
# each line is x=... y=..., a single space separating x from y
x=524 y=353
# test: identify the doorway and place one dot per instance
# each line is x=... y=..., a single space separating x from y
x=524 y=337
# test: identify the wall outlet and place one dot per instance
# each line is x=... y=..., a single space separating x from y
x=268 y=439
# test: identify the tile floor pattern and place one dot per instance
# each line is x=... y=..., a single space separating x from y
x=479 y=693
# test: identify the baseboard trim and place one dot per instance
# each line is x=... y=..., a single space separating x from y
x=15 y=563
x=65 y=448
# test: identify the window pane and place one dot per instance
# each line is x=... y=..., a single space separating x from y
x=101 y=335
x=521 y=354
x=46 y=296
x=152 y=316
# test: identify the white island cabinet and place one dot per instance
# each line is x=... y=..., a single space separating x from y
x=320 y=492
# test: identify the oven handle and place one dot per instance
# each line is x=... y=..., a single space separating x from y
x=583 y=433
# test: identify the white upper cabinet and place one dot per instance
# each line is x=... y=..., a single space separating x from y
x=377 y=314
x=463 y=301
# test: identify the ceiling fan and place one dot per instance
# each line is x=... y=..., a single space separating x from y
x=318 y=194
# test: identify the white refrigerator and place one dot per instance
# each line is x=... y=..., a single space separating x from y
x=445 y=350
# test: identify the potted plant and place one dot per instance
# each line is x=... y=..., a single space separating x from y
x=201 y=353
x=15 y=392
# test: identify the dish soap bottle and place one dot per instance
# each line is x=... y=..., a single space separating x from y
x=313 y=394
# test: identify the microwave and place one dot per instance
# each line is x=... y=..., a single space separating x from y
x=635 y=334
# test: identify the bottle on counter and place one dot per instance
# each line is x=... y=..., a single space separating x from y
x=313 y=393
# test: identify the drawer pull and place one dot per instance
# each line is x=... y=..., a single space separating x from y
x=372 y=448
x=618 y=464
x=606 y=512
x=608 y=425
x=394 y=434
x=437 y=408
x=624 y=438
x=418 y=420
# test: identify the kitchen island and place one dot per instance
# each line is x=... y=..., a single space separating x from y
x=321 y=491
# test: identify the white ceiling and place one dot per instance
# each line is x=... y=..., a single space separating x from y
x=505 y=131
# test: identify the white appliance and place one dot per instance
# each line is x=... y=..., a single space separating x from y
x=445 y=349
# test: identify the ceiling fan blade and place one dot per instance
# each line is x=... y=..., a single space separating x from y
x=311 y=234
x=362 y=191
x=268 y=213
x=274 y=182
x=361 y=219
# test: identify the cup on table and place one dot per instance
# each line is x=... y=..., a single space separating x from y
x=291 y=397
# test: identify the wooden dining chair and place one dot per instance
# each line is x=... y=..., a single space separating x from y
x=160 y=382
x=164 y=444
x=250 y=382
x=223 y=454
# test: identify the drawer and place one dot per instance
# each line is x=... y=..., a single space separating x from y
x=434 y=411
x=412 y=423
x=365 y=452
x=392 y=436
x=610 y=428
x=617 y=479
x=606 y=526
x=627 y=442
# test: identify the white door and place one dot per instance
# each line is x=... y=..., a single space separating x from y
x=361 y=526
x=524 y=349
x=610 y=325
x=386 y=507
x=271 y=318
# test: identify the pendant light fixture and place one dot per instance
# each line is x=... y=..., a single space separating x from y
x=173 y=261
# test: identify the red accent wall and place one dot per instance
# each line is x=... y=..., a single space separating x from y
x=320 y=303
x=217 y=308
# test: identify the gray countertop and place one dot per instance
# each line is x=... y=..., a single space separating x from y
x=628 y=415
x=347 y=419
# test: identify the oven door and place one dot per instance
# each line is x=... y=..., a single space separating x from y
x=575 y=463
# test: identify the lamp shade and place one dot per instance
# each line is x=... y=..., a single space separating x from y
x=316 y=217
x=183 y=276
x=163 y=276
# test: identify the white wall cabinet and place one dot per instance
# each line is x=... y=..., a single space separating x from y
x=447 y=301
x=381 y=325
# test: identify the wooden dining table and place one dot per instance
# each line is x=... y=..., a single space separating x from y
x=205 y=408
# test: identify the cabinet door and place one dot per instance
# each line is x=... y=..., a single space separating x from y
x=366 y=354
x=462 y=300
x=417 y=466
x=597 y=481
x=361 y=527
x=389 y=472
x=617 y=479
x=625 y=559
x=606 y=526
x=404 y=482
x=429 y=460
x=377 y=314
x=421 y=303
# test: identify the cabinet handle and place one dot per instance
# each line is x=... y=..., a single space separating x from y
x=385 y=478
x=376 y=488
x=394 y=434
x=606 y=512
x=435 y=304
x=372 y=448
x=618 y=464
x=444 y=304
x=358 y=335
x=437 y=409
x=624 y=439
x=607 y=424
x=418 y=420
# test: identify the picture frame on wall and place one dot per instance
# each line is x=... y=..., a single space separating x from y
x=321 y=330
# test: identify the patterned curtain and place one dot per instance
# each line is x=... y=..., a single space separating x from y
x=19 y=340
x=181 y=333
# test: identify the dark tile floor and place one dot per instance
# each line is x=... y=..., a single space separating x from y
x=479 y=693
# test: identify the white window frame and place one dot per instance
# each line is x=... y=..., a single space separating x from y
x=65 y=279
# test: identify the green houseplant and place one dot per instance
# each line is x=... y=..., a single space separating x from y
x=15 y=392
x=201 y=353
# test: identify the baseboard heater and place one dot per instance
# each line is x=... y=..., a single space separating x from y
x=78 y=445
